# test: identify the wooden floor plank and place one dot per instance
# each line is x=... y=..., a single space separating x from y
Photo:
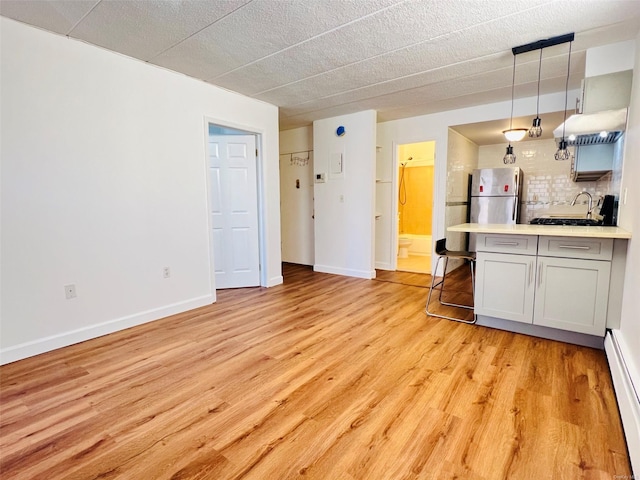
x=324 y=377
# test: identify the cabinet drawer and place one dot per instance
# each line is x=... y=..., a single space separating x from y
x=522 y=244
x=573 y=247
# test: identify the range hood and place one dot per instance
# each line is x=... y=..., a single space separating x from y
x=586 y=127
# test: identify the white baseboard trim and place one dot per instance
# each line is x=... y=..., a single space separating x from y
x=627 y=396
x=384 y=266
x=53 y=342
x=272 y=282
x=368 y=274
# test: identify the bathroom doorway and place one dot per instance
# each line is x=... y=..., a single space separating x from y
x=414 y=182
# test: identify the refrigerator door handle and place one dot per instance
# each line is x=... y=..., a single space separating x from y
x=515 y=207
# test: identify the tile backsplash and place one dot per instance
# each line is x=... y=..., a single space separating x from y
x=547 y=186
x=462 y=158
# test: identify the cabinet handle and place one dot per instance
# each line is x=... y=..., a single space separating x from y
x=539 y=274
x=575 y=247
x=530 y=272
x=509 y=244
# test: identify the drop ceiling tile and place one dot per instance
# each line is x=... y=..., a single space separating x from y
x=318 y=58
x=420 y=103
x=468 y=77
x=145 y=29
x=57 y=17
x=410 y=61
x=401 y=26
x=479 y=90
x=260 y=29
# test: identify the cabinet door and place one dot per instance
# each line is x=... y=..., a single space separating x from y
x=572 y=294
x=505 y=286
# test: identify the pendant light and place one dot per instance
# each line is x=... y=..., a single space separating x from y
x=536 y=128
x=563 y=152
x=516 y=134
x=509 y=157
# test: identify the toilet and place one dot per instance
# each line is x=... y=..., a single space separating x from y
x=403 y=247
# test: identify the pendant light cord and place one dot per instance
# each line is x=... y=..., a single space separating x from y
x=566 y=91
x=513 y=85
x=539 y=70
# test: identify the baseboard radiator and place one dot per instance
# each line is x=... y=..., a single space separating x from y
x=628 y=396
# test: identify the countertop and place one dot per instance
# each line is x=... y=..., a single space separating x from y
x=548 y=230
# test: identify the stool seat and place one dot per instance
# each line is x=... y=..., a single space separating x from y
x=442 y=252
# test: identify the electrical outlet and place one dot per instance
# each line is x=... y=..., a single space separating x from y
x=70 y=291
x=166 y=272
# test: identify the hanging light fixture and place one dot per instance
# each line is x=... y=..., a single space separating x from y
x=563 y=152
x=511 y=134
x=536 y=128
x=516 y=134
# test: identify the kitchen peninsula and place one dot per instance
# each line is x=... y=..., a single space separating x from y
x=558 y=282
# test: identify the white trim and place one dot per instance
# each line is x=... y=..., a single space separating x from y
x=53 y=342
x=394 y=207
x=627 y=396
x=345 y=271
x=279 y=280
x=260 y=181
x=394 y=187
x=384 y=266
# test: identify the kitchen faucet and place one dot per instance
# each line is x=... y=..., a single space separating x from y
x=590 y=205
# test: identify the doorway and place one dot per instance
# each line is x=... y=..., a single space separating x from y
x=414 y=199
x=234 y=223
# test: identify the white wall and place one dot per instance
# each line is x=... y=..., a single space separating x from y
x=296 y=199
x=615 y=57
x=628 y=335
x=104 y=184
x=344 y=204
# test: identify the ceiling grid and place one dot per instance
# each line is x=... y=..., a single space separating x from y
x=320 y=58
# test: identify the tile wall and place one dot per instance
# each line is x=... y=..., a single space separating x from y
x=415 y=216
x=462 y=159
x=547 y=186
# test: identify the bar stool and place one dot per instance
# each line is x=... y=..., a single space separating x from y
x=442 y=252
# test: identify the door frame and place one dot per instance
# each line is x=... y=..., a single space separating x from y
x=236 y=129
x=394 y=202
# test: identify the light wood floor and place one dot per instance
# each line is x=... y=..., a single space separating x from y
x=324 y=377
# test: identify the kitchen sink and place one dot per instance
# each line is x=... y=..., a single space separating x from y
x=573 y=222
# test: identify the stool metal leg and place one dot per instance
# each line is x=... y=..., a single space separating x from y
x=440 y=283
x=433 y=285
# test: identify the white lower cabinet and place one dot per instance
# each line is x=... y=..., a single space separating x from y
x=572 y=294
x=505 y=286
x=551 y=291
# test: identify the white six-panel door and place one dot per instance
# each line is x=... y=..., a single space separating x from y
x=234 y=210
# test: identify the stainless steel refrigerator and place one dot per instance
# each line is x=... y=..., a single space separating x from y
x=495 y=197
